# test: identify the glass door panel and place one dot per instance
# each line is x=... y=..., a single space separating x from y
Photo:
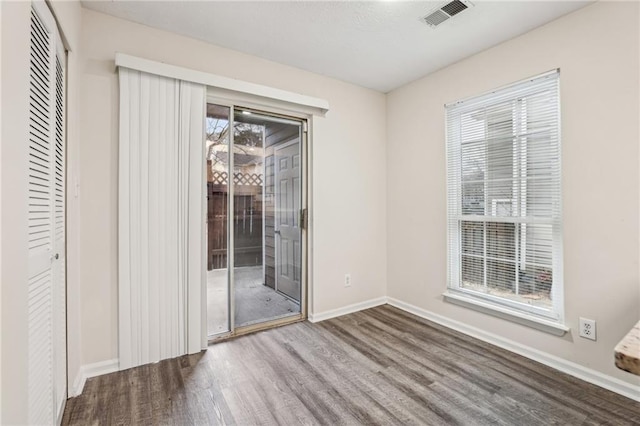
x=254 y=202
x=267 y=249
x=217 y=155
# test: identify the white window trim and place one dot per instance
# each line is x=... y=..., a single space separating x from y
x=519 y=317
x=532 y=316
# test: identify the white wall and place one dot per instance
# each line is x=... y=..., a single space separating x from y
x=597 y=49
x=348 y=171
x=15 y=97
x=14 y=50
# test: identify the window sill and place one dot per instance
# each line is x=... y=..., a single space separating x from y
x=505 y=313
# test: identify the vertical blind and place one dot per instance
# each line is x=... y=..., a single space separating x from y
x=161 y=221
x=503 y=196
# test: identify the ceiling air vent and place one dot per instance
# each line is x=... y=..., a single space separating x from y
x=445 y=12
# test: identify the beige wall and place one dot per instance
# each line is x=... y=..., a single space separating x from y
x=349 y=194
x=597 y=49
x=15 y=27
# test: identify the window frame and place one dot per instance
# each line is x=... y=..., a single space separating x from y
x=552 y=317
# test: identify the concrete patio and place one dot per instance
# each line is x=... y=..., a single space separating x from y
x=255 y=302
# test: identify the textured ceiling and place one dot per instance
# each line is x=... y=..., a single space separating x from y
x=380 y=45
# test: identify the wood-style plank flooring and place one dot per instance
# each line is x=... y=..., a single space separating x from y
x=379 y=366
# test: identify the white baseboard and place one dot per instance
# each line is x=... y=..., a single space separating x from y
x=92 y=370
x=349 y=309
x=588 y=375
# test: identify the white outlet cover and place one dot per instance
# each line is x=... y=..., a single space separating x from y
x=588 y=328
x=347 y=280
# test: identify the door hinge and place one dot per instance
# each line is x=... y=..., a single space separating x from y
x=304 y=219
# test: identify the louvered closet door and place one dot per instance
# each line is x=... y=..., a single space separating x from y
x=47 y=319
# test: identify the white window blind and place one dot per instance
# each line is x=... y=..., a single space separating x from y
x=504 y=201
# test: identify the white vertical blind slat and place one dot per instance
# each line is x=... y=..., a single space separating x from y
x=192 y=103
x=144 y=214
x=134 y=229
x=125 y=334
x=153 y=229
x=172 y=193
x=183 y=206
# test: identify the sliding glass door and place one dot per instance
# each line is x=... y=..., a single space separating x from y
x=255 y=219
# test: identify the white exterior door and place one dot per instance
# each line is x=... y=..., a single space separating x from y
x=46 y=221
x=287 y=226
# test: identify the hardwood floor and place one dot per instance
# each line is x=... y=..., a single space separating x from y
x=379 y=366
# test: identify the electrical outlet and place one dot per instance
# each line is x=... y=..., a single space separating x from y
x=588 y=328
x=347 y=280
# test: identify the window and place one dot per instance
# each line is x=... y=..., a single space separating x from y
x=504 y=212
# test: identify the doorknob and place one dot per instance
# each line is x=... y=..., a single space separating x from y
x=56 y=256
x=277 y=231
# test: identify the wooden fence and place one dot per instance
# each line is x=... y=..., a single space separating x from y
x=247 y=219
